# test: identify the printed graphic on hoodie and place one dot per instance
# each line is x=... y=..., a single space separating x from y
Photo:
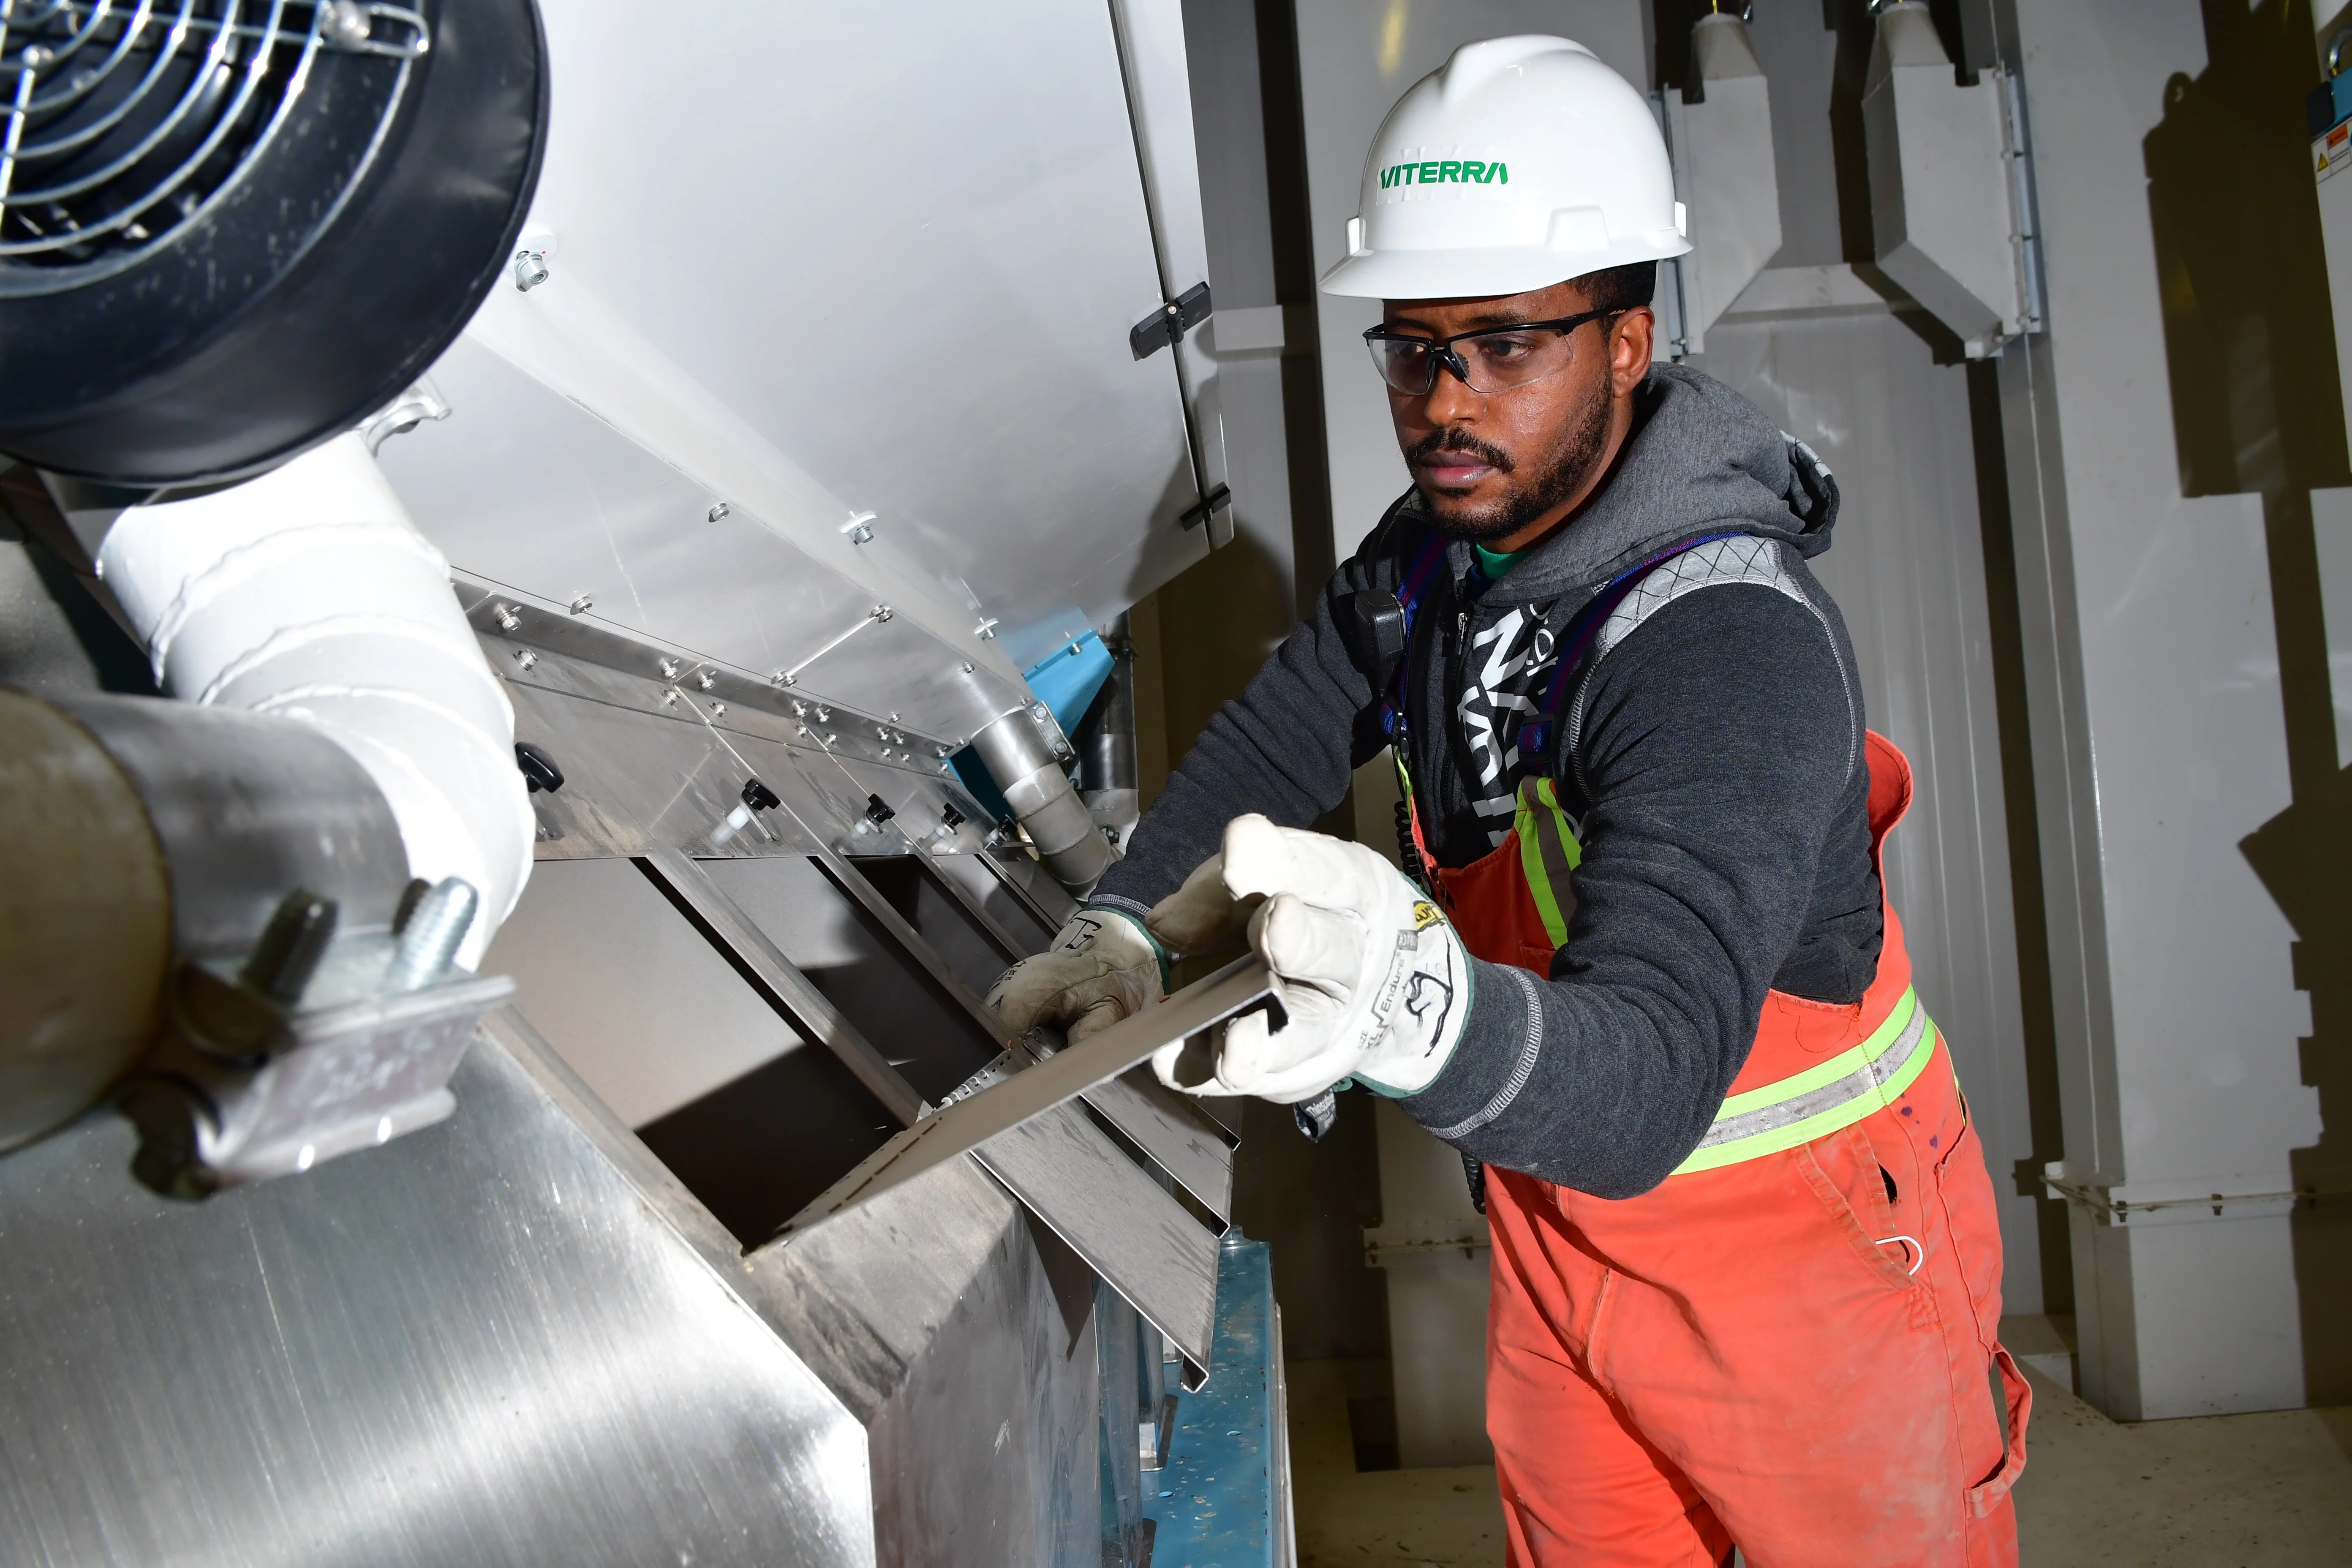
x=1508 y=668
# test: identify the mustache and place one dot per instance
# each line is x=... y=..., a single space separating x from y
x=1453 y=438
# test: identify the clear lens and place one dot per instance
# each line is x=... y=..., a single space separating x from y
x=1494 y=362
x=1405 y=363
x=1499 y=360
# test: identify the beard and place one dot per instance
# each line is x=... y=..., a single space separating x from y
x=1548 y=483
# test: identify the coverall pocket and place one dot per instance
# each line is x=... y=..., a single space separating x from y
x=1843 y=1171
x=2017 y=1400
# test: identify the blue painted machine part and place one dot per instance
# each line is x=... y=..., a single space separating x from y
x=1215 y=1503
x=1066 y=680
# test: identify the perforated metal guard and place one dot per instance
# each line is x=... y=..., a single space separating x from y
x=121 y=123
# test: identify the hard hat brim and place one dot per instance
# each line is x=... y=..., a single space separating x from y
x=1477 y=274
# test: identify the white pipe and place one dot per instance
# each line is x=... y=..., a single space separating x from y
x=308 y=593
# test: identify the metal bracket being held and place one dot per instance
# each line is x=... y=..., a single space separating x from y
x=962 y=1127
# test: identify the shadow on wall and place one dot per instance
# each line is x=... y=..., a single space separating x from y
x=2257 y=410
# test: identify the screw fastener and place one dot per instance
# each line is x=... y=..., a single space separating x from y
x=718 y=510
x=529 y=269
x=583 y=604
x=525 y=657
x=506 y=618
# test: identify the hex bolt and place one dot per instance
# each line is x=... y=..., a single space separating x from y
x=583 y=604
x=719 y=509
x=669 y=668
x=506 y=618
x=706 y=681
x=525 y=657
x=529 y=269
x=293 y=944
x=431 y=939
x=719 y=710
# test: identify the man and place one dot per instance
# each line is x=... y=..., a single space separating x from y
x=1746 y=1279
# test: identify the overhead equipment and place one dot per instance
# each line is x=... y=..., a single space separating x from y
x=1951 y=194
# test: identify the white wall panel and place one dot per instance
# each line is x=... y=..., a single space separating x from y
x=2151 y=648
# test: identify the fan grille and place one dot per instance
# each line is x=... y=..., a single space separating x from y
x=122 y=121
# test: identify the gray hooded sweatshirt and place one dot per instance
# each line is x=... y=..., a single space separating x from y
x=1708 y=747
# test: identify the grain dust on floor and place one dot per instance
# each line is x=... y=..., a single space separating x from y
x=1444 y=1519
x=2272 y=1491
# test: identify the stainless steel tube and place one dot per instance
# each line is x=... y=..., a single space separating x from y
x=1044 y=802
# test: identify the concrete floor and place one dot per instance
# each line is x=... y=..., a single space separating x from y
x=2228 y=1491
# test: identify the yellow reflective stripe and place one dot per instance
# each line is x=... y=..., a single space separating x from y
x=1872 y=1098
x=1547 y=852
x=1837 y=1067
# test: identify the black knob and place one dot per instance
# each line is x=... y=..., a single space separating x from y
x=759 y=796
x=539 y=769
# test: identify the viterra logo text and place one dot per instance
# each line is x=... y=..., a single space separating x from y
x=1450 y=172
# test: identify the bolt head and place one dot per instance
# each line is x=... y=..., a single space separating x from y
x=583 y=604
x=525 y=657
x=506 y=618
x=720 y=510
x=719 y=710
x=706 y=681
x=967 y=667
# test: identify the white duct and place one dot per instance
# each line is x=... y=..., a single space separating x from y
x=308 y=593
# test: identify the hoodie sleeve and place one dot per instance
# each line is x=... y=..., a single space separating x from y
x=1722 y=759
x=1287 y=747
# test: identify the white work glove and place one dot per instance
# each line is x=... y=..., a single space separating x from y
x=1101 y=968
x=1375 y=984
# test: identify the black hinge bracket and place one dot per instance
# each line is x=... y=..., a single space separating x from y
x=1169 y=323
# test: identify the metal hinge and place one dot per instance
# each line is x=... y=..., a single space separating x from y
x=1169 y=323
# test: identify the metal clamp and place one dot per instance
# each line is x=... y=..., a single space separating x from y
x=315 y=1045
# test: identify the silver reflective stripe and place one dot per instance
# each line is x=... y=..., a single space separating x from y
x=1718 y=563
x=1524 y=1069
x=1864 y=1081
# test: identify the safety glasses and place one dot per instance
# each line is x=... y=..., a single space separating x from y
x=1494 y=359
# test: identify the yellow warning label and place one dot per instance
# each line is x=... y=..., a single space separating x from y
x=1425 y=915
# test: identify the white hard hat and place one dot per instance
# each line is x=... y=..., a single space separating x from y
x=1518 y=163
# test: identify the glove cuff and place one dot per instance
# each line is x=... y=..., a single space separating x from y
x=1135 y=923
